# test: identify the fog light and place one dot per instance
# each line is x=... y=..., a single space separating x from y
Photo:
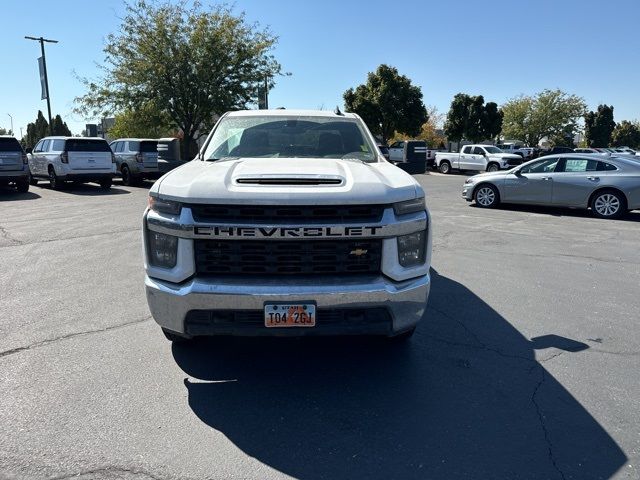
x=411 y=249
x=163 y=250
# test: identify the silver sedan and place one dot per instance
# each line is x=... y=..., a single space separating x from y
x=609 y=186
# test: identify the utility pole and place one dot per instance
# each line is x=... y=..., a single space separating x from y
x=12 y=132
x=46 y=80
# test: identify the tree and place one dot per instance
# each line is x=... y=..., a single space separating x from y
x=36 y=130
x=470 y=118
x=550 y=113
x=60 y=127
x=194 y=62
x=456 y=125
x=598 y=126
x=388 y=103
x=493 y=120
x=148 y=121
x=4 y=131
x=476 y=131
x=626 y=134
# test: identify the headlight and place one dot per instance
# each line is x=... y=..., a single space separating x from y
x=164 y=206
x=163 y=249
x=411 y=249
x=410 y=206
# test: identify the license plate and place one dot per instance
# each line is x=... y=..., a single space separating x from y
x=289 y=315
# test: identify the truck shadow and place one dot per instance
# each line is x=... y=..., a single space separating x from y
x=464 y=399
x=88 y=189
x=8 y=194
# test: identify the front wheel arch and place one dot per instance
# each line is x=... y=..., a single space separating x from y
x=487 y=184
x=623 y=207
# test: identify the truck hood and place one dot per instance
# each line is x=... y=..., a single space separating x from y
x=296 y=181
x=505 y=156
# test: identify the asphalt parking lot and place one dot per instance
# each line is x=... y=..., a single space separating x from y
x=527 y=365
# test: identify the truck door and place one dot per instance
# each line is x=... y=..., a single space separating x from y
x=466 y=161
x=479 y=158
x=396 y=152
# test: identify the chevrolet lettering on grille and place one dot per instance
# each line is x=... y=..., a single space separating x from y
x=286 y=232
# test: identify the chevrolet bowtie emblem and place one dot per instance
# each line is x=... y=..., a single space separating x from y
x=358 y=251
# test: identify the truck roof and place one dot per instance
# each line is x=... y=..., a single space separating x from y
x=288 y=113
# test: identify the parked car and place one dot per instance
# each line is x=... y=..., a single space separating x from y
x=293 y=224
x=136 y=159
x=609 y=186
x=588 y=150
x=625 y=150
x=524 y=152
x=384 y=150
x=476 y=157
x=14 y=168
x=557 y=151
x=409 y=155
x=169 y=154
x=77 y=159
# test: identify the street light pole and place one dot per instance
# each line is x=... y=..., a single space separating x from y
x=46 y=80
x=12 y=132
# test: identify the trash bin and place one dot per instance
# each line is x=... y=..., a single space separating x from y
x=169 y=154
x=415 y=157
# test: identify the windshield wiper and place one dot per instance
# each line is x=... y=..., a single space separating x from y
x=222 y=159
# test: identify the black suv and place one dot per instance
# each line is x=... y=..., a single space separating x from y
x=14 y=167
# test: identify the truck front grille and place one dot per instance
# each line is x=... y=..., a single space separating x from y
x=282 y=258
x=279 y=214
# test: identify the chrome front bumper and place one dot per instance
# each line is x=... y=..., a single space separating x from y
x=405 y=301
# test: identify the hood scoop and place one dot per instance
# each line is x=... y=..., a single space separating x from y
x=292 y=180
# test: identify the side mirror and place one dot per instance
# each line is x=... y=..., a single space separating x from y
x=518 y=173
x=29 y=150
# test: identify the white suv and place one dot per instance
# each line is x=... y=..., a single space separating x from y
x=62 y=159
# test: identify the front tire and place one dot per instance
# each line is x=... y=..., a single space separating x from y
x=445 y=167
x=493 y=167
x=608 y=204
x=486 y=196
x=32 y=180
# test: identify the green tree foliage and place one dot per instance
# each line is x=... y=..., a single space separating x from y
x=626 y=134
x=60 y=127
x=550 y=113
x=388 y=103
x=493 y=120
x=598 y=126
x=148 y=121
x=470 y=118
x=566 y=138
x=193 y=62
x=456 y=125
x=430 y=131
x=4 y=131
x=36 y=130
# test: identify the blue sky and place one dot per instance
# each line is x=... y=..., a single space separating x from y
x=496 y=48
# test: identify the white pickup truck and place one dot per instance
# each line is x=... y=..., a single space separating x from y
x=288 y=222
x=476 y=157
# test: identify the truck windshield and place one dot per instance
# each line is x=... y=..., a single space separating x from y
x=271 y=136
x=492 y=150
